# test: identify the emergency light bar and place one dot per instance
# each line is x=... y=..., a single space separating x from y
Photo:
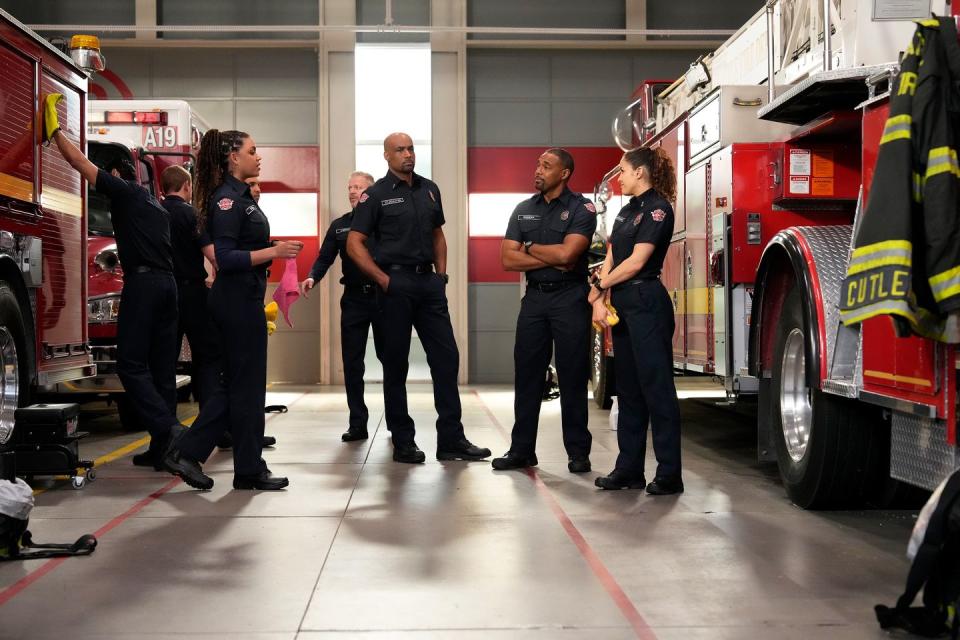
x=135 y=117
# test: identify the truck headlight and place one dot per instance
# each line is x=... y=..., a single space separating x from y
x=103 y=308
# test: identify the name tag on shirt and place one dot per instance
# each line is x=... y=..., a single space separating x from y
x=527 y=217
x=620 y=218
x=344 y=230
x=386 y=203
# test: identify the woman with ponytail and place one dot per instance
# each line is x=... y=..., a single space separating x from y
x=643 y=338
x=241 y=237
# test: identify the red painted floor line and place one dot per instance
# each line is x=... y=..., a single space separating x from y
x=7 y=594
x=17 y=587
x=603 y=575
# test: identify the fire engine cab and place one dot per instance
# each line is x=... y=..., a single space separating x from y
x=775 y=136
x=151 y=135
x=43 y=217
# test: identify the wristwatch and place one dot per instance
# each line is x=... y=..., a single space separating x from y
x=446 y=277
x=526 y=246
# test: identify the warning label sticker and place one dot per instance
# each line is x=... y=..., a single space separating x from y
x=800 y=185
x=822 y=186
x=823 y=164
x=800 y=162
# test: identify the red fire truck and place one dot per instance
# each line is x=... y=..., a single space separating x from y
x=43 y=252
x=771 y=182
x=151 y=135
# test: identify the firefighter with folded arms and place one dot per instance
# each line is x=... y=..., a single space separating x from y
x=547 y=238
x=147 y=324
x=643 y=337
x=358 y=307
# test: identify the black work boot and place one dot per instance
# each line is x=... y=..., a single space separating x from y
x=665 y=486
x=463 y=450
x=578 y=464
x=620 y=480
x=408 y=453
x=352 y=434
x=187 y=469
x=511 y=460
x=265 y=481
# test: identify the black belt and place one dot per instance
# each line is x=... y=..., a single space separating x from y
x=549 y=287
x=637 y=281
x=186 y=282
x=362 y=289
x=425 y=267
x=145 y=269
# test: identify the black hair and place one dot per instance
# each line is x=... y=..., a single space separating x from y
x=663 y=175
x=213 y=165
x=124 y=167
x=566 y=160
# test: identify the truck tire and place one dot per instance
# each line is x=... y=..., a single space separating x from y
x=826 y=445
x=16 y=361
x=602 y=377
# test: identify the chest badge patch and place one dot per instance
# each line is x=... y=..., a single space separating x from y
x=637 y=220
x=565 y=216
x=364 y=197
x=658 y=215
x=432 y=197
x=589 y=206
x=387 y=203
x=225 y=204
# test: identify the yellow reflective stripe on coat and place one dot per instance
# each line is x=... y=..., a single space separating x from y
x=942 y=160
x=946 y=284
x=897 y=128
x=884 y=246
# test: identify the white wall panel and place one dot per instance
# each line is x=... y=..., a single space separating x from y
x=276 y=122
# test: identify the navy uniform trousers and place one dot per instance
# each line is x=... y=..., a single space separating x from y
x=236 y=304
x=358 y=312
x=419 y=300
x=147 y=351
x=643 y=358
x=552 y=321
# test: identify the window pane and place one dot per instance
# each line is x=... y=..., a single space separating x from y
x=393 y=92
x=243 y=12
x=370 y=159
x=567 y=14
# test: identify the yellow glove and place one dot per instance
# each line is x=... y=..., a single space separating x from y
x=50 y=120
x=271 y=311
x=612 y=317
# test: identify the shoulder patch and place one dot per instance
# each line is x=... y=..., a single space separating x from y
x=225 y=204
x=589 y=206
x=658 y=215
x=364 y=197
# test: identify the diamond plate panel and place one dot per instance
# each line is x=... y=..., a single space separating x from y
x=919 y=453
x=831 y=250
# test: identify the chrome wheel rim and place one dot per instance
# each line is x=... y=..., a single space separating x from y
x=9 y=383
x=796 y=408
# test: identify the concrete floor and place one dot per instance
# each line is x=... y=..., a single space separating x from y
x=362 y=547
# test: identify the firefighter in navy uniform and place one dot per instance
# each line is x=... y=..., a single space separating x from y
x=404 y=214
x=147 y=323
x=358 y=307
x=241 y=236
x=547 y=238
x=643 y=338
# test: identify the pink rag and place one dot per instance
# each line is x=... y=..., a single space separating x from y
x=288 y=291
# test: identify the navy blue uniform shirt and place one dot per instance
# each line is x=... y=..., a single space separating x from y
x=334 y=244
x=237 y=225
x=140 y=223
x=647 y=218
x=541 y=222
x=187 y=241
x=401 y=219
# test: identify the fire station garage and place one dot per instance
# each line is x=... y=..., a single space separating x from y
x=479 y=319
